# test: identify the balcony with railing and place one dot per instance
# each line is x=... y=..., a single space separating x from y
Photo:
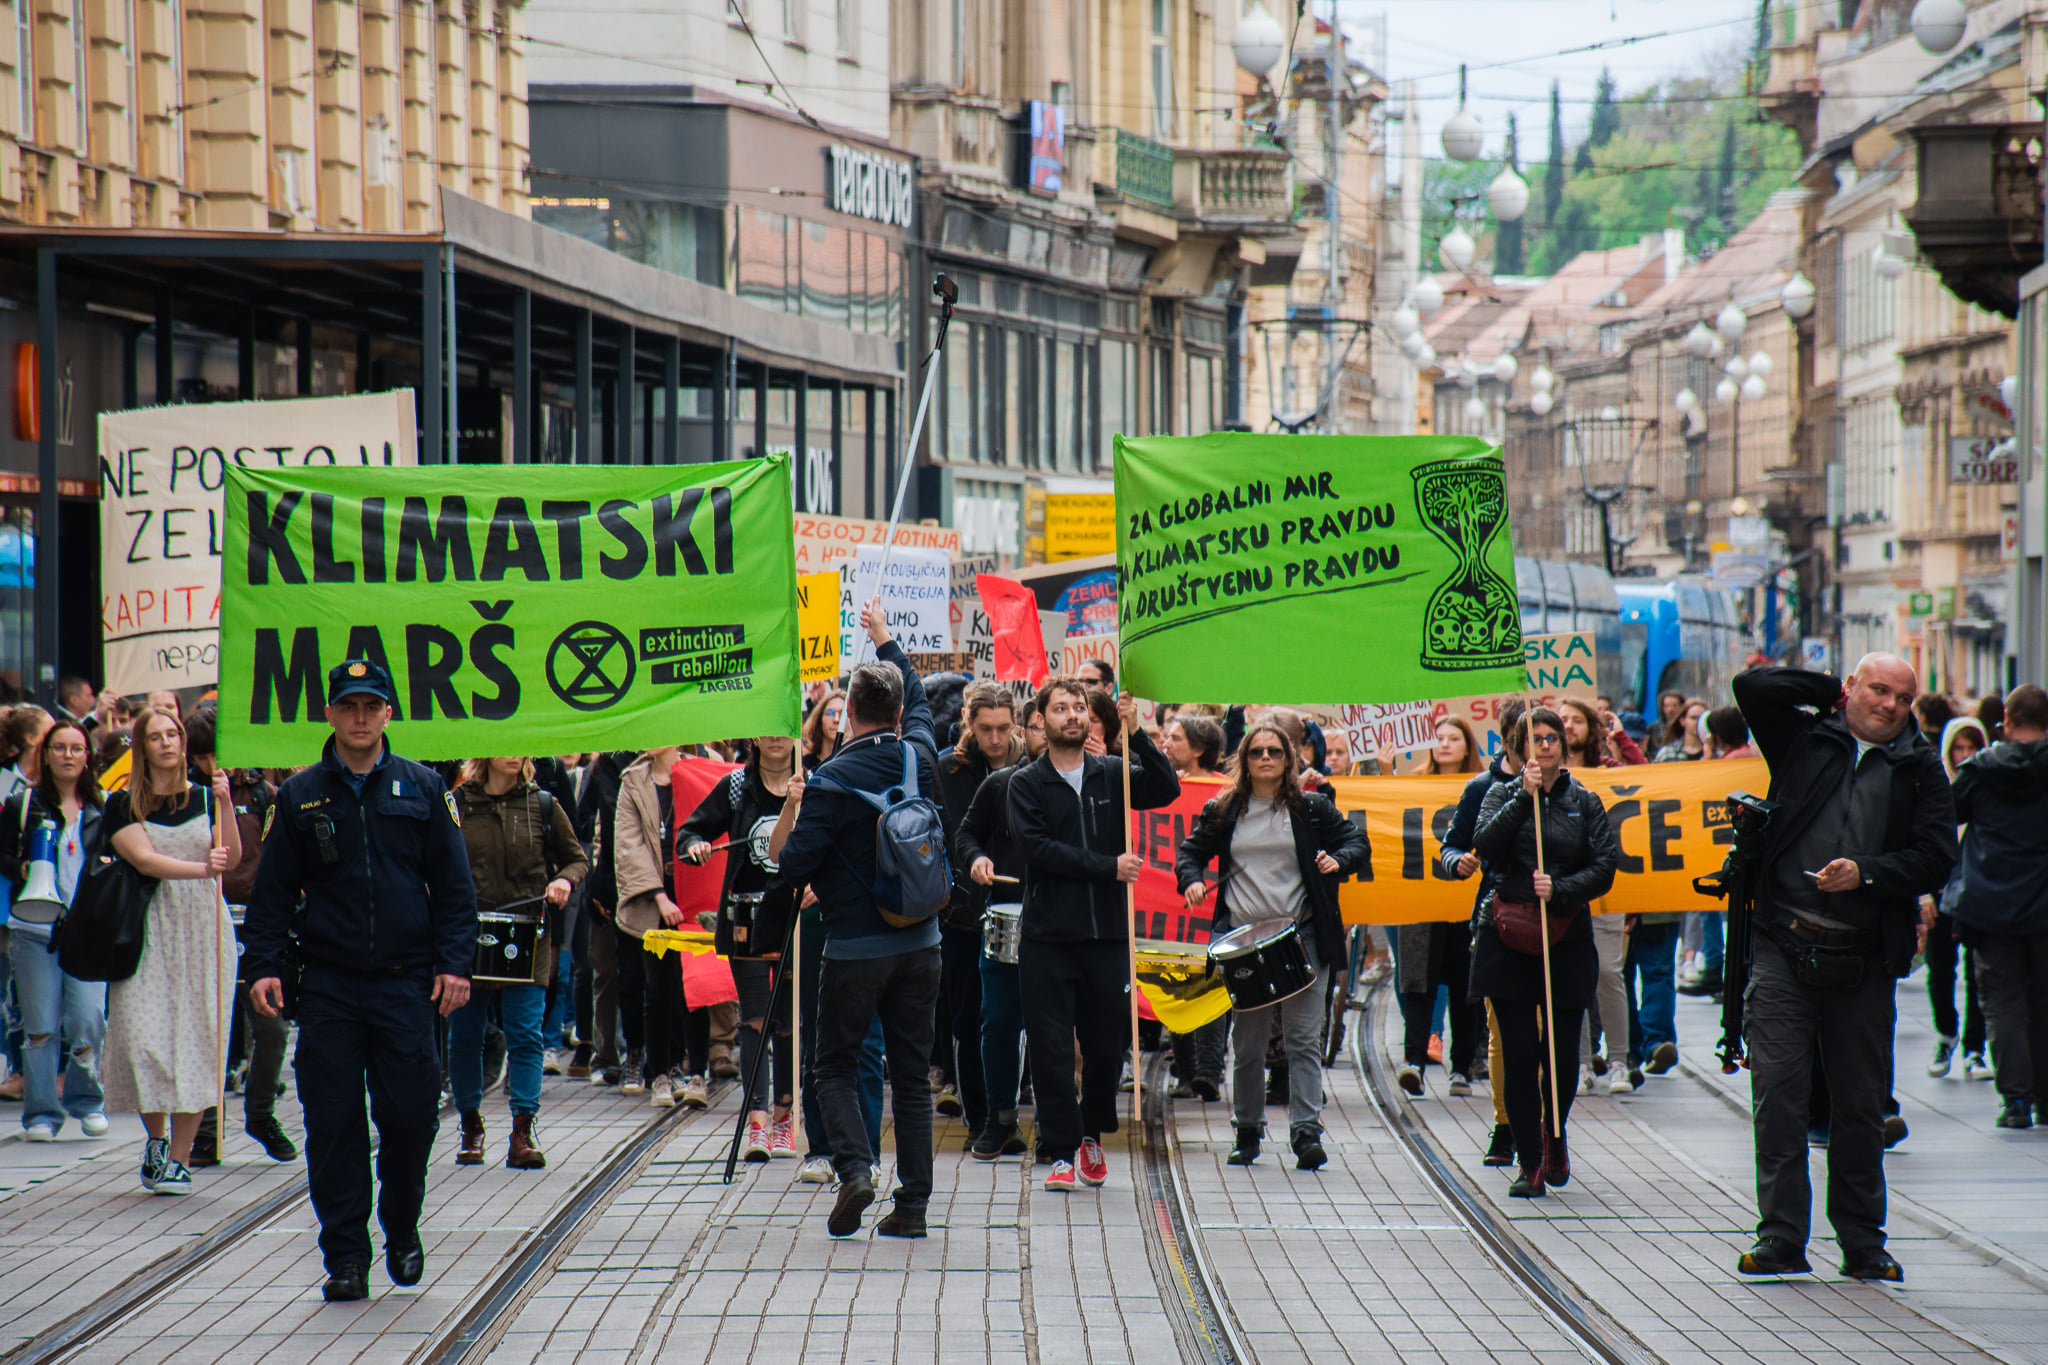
x=1144 y=170
x=1233 y=185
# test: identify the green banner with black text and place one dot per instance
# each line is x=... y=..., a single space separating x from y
x=519 y=609
x=1316 y=570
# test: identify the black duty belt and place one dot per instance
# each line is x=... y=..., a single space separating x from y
x=1826 y=938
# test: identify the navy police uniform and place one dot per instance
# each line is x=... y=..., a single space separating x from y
x=388 y=903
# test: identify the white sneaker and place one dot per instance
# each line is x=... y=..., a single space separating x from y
x=1589 y=1084
x=875 y=1176
x=551 y=1062
x=695 y=1093
x=95 y=1124
x=662 y=1094
x=1975 y=1068
x=40 y=1132
x=1944 y=1056
x=1618 y=1082
x=816 y=1170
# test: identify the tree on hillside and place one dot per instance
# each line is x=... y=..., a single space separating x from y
x=1507 y=237
x=1606 y=121
x=1553 y=169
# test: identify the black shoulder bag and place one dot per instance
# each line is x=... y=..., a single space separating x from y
x=101 y=935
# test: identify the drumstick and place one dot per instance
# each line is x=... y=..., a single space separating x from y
x=1007 y=881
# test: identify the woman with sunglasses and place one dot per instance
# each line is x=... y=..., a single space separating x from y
x=1278 y=852
x=1578 y=863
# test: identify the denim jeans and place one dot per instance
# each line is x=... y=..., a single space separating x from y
x=1714 y=939
x=1002 y=1028
x=1652 y=976
x=522 y=1007
x=65 y=1012
x=561 y=993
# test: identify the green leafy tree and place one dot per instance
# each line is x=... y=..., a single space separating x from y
x=1553 y=169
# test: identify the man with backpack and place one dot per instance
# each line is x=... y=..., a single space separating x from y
x=869 y=842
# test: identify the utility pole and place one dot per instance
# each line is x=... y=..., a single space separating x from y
x=1333 y=219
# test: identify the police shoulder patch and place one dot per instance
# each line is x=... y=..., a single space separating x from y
x=454 y=813
x=269 y=814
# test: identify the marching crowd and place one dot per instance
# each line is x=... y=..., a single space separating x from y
x=1005 y=983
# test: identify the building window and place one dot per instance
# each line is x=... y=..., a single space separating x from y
x=793 y=22
x=1016 y=389
x=81 y=110
x=1199 y=406
x=846 y=22
x=1162 y=71
x=25 y=66
x=960 y=396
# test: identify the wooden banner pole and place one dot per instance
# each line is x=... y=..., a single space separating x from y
x=1131 y=917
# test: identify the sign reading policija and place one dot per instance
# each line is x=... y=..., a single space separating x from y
x=519 y=609
x=1316 y=570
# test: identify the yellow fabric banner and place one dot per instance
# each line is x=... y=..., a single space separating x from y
x=1671 y=820
x=1179 y=985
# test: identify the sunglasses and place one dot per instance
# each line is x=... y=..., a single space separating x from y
x=1266 y=751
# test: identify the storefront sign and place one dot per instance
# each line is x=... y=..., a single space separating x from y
x=869 y=185
x=162 y=471
x=1080 y=519
x=519 y=608
x=1982 y=459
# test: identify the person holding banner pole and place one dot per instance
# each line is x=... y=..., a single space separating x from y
x=1069 y=818
x=1552 y=851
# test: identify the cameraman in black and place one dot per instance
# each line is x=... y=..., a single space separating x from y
x=1864 y=826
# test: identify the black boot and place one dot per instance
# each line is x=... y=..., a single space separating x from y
x=995 y=1137
x=1307 y=1141
x=267 y=1130
x=1502 y=1152
x=1247 y=1149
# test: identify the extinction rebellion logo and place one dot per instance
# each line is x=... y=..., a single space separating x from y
x=592 y=664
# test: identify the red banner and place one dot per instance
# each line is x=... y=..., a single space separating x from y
x=697 y=885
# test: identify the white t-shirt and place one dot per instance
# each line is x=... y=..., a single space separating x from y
x=1073 y=777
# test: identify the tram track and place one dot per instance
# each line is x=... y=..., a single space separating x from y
x=472 y=1329
x=1198 y=1310
x=1590 y=1328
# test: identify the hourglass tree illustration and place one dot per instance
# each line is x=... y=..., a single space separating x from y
x=1472 y=620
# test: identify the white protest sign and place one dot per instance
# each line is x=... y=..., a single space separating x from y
x=916 y=601
x=1381 y=731
x=161 y=475
x=973 y=633
x=824 y=542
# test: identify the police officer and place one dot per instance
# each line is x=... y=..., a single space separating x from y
x=372 y=843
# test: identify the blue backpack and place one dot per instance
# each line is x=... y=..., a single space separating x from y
x=912 y=880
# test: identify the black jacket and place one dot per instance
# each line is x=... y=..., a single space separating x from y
x=960 y=777
x=392 y=890
x=832 y=846
x=1792 y=718
x=985 y=832
x=2001 y=794
x=1070 y=846
x=14 y=820
x=1463 y=835
x=1318 y=828
x=1579 y=853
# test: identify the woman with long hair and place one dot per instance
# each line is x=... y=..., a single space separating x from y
x=1577 y=867
x=1585 y=747
x=522 y=848
x=748 y=810
x=1105 y=730
x=1456 y=749
x=643 y=831
x=1961 y=738
x=21 y=735
x=58 y=820
x=1278 y=852
x=822 y=727
x=1686 y=742
x=167 y=1025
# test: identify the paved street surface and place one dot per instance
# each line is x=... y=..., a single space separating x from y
x=1360 y=1262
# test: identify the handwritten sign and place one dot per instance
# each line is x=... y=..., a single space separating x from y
x=1560 y=666
x=162 y=475
x=827 y=542
x=916 y=601
x=1383 y=730
x=817 y=625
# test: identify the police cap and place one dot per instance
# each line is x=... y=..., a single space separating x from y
x=352 y=676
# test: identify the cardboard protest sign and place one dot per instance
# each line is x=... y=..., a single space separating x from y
x=916 y=598
x=827 y=542
x=162 y=473
x=973 y=633
x=519 y=609
x=1559 y=666
x=1318 y=569
x=1380 y=730
x=817 y=623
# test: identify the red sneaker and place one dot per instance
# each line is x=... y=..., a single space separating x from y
x=1093 y=1165
x=1060 y=1177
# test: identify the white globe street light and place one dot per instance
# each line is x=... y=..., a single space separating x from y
x=1699 y=341
x=1475 y=409
x=1508 y=196
x=1754 y=388
x=1938 y=24
x=1886 y=264
x=1504 y=368
x=1414 y=344
x=1258 y=42
x=1452 y=370
x=1406 y=321
x=1463 y=135
x=2009 y=390
x=1725 y=391
x=1542 y=379
x=1797 y=296
x=1539 y=403
x=1730 y=323
x=1427 y=296
x=1760 y=365
x=1686 y=400
x=1736 y=369
x=1457 y=249
x=1425 y=359
x=1610 y=413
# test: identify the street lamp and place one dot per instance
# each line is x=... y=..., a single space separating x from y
x=1736 y=369
x=1406 y=321
x=1699 y=341
x=1508 y=196
x=1760 y=365
x=1938 y=24
x=1687 y=401
x=1462 y=134
x=1427 y=296
x=1725 y=391
x=1753 y=387
x=1797 y=296
x=1456 y=249
x=1539 y=402
x=1504 y=368
x=1414 y=344
x=1730 y=323
x=1258 y=42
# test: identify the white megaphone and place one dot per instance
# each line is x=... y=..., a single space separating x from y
x=42 y=869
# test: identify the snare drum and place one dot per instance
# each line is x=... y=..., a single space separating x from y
x=239 y=913
x=1262 y=964
x=741 y=911
x=1002 y=932
x=507 y=947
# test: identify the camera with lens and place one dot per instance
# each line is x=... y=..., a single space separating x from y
x=1748 y=817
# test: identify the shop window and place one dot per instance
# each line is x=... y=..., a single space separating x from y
x=959 y=395
x=1064 y=403
x=825 y=273
x=1017 y=392
x=988 y=441
x=761 y=258
x=1162 y=392
x=1119 y=388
